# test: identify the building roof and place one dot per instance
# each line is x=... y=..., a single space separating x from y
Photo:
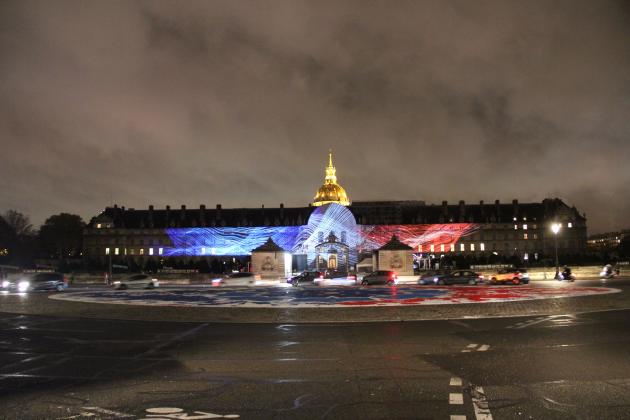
x=365 y=213
x=269 y=246
x=394 y=244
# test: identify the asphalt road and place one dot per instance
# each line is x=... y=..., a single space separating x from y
x=564 y=366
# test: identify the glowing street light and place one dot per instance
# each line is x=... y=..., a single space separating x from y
x=555 y=228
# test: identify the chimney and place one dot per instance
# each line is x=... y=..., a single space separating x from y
x=462 y=211
x=497 y=210
x=444 y=208
x=281 y=211
x=218 y=215
x=202 y=215
x=182 y=213
x=514 y=208
x=151 y=224
x=482 y=213
x=168 y=216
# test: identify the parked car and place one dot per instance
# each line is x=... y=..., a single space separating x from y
x=235 y=279
x=136 y=281
x=380 y=277
x=458 y=277
x=37 y=281
x=427 y=278
x=510 y=275
x=305 y=277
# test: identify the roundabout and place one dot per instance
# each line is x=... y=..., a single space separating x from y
x=340 y=297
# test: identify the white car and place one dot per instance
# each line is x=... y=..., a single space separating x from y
x=136 y=281
x=235 y=279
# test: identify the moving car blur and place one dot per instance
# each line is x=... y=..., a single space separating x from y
x=305 y=277
x=455 y=277
x=510 y=275
x=236 y=279
x=380 y=277
x=36 y=281
x=136 y=281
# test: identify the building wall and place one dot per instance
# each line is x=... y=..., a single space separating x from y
x=270 y=264
x=400 y=261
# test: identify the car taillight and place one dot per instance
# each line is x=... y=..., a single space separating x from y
x=393 y=276
x=321 y=276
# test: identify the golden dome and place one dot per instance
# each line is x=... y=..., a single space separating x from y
x=330 y=191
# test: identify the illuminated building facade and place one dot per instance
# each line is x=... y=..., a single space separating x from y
x=334 y=233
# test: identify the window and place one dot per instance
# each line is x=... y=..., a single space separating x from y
x=524 y=227
x=160 y=251
x=419 y=248
x=98 y=226
x=535 y=236
x=482 y=246
x=116 y=251
x=106 y=251
x=515 y=227
x=432 y=248
x=203 y=250
x=131 y=251
x=150 y=251
x=472 y=247
x=462 y=247
x=141 y=251
x=570 y=224
x=525 y=236
x=452 y=247
x=442 y=248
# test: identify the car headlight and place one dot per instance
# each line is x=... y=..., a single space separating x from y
x=23 y=286
x=5 y=284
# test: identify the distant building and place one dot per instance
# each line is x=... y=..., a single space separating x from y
x=606 y=242
x=334 y=233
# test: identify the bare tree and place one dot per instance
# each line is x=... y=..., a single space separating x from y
x=20 y=223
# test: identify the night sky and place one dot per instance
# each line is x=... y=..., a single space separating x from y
x=238 y=102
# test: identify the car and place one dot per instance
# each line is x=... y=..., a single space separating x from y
x=380 y=277
x=306 y=276
x=510 y=275
x=427 y=278
x=235 y=279
x=458 y=277
x=37 y=281
x=136 y=281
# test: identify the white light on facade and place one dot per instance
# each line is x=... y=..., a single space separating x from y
x=462 y=247
x=442 y=248
x=524 y=227
x=106 y=251
x=160 y=251
x=482 y=246
x=150 y=251
x=472 y=247
x=116 y=251
x=452 y=247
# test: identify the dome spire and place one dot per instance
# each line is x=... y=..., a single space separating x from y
x=331 y=191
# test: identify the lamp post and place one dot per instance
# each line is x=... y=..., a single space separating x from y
x=555 y=228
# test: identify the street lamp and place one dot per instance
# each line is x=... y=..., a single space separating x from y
x=555 y=228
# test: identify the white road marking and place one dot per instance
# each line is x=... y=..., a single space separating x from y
x=480 y=404
x=457 y=417
x=484 y=347
x=466 y=351
x=472 y=346
x=456 y=398
x=455 y=381
x=100 y=410
x=533 y=322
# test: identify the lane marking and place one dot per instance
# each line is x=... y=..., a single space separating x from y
x=484 y=347
x=117 y=414
x=456 y=398
x=471 y=346
x=480 y=404
x=455 y=381
x=457 y=417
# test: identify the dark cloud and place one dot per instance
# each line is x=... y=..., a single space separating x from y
x=194 y=102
